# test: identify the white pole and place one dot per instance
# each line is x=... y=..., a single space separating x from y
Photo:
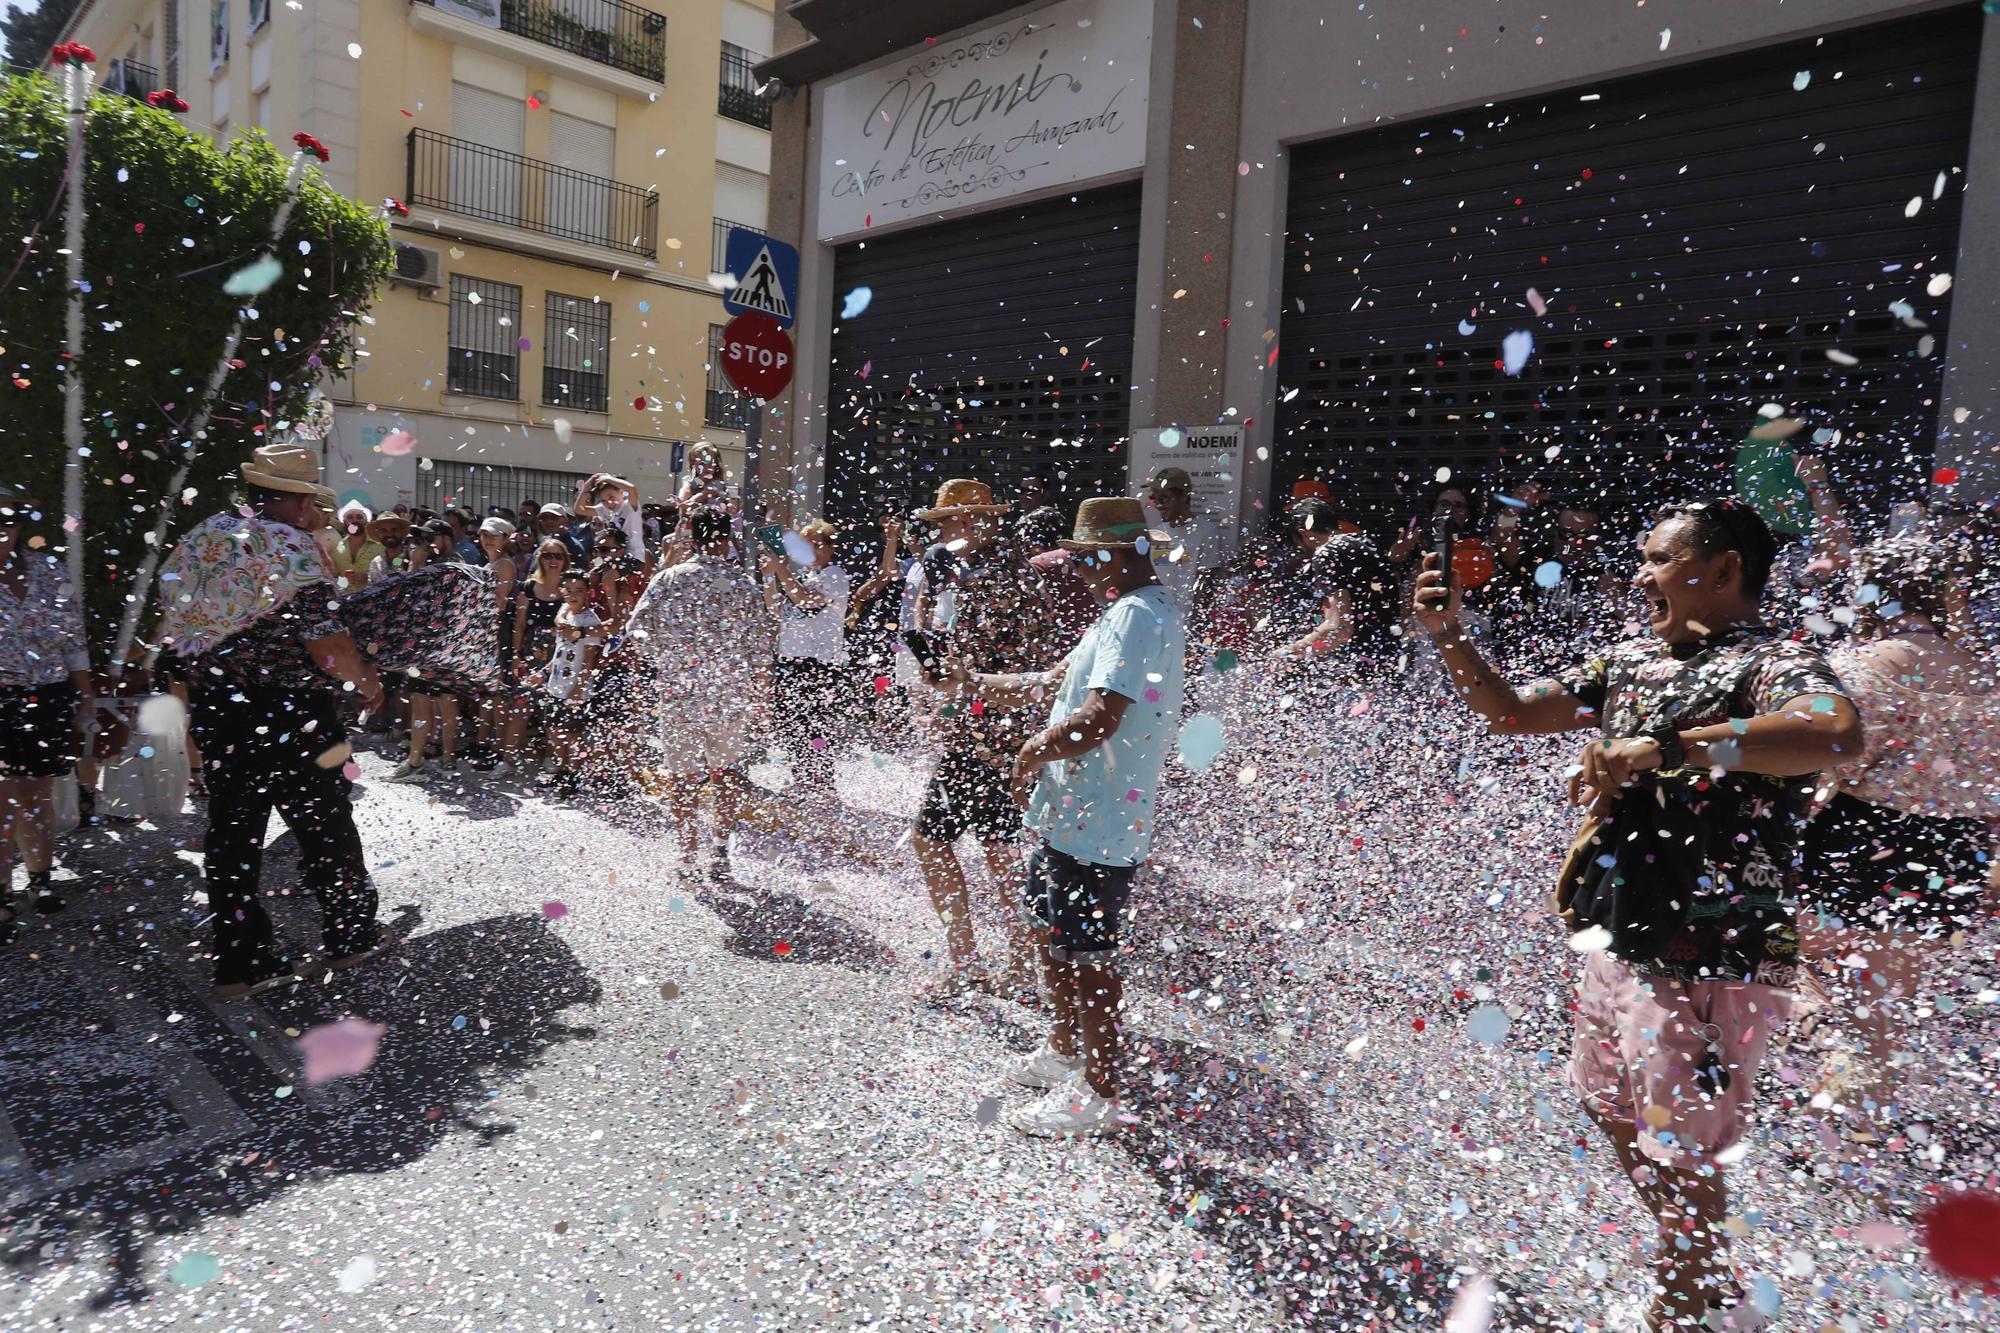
x=142 y=583
x=77 y=86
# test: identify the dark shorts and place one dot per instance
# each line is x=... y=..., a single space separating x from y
x=1881 y=869
x=1082 y=904
x=38 y=731
x=965 y=796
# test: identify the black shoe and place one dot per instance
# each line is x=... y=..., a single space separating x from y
x=47 y=901
x=10 y=925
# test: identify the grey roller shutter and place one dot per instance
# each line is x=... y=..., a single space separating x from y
x=1701 y=237
x=984 y=341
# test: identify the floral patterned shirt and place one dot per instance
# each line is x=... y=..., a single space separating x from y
x=243 y=595
x=1741 y=925
x=41 y=632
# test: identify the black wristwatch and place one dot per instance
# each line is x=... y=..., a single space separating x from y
x=1668 y=737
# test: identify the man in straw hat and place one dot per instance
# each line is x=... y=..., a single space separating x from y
x=250 y=601
x=1089 y=782
x=999 y=621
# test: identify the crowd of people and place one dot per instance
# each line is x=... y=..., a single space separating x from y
x=1793 y=757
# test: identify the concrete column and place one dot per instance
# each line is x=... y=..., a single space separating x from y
x=786 y=430
x=1199 y=177
x=1972 y=358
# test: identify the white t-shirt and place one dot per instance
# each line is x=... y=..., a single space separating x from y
x=819 y=635
x=566 y=662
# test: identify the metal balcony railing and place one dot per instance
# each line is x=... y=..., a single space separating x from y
x=492 y=185
x=739 y=98
x=718 y=246
x=609 y=32
x=727 y=410
x=133 y=79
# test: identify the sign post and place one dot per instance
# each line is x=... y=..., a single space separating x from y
x=757 y=358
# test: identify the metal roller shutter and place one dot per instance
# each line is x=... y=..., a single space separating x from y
x=985 y=341
x=1701 y=237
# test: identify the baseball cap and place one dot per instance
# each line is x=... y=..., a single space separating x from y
x=1172 y=479
x=555 y=509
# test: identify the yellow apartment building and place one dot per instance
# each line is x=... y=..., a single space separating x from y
x=568 y=168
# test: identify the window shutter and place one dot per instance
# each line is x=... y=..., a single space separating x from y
x=742 y=196
x=170 y=30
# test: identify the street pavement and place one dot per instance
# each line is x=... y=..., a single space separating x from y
x=602 y=1100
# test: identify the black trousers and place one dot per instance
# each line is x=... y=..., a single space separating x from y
x=259 y=756
x=809 y=705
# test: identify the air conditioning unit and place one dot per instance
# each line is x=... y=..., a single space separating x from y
x=418 y=265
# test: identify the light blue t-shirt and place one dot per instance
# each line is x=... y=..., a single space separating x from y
x=1098 y=807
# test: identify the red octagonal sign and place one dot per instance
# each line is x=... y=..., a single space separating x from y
x=757 y=355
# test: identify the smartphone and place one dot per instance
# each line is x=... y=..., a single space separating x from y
x=1443 y=540
x=924 y=647
x=772 y=538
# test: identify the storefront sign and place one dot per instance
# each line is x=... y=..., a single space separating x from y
x=1051 y=98
x=1212 y=456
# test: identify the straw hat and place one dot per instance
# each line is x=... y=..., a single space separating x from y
x=961 y=496
x=389 y=526
x=1112 y=523
x=291 y=468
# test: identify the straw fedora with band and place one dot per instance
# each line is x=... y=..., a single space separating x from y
x=389 y=527
x=1112 y=523
x=962 y=496
x=291 y=468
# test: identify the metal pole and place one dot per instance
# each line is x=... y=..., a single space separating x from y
x=753 y=448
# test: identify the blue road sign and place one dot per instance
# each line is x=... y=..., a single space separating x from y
x=767 y=276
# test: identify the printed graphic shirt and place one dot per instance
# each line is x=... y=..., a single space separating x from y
x=1741 y=925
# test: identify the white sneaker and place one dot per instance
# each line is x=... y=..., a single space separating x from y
x=1046 y=1069
x=1072 y=1110
x=408 y=772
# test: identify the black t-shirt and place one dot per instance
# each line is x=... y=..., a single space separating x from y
x=1741 y=924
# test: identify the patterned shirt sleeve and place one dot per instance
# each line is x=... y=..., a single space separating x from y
x=1782 y=672
x=1586 y=680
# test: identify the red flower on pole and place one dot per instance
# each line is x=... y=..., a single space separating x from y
x=72 y=53
x=308 y=144
x=397 y=206
x=167 y=100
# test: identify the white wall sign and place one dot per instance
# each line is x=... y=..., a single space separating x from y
x=1049 y=98
x=1212 y=456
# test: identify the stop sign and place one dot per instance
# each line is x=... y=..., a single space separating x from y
x=757 y=355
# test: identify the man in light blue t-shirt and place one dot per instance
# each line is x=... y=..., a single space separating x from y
x=1089 y=783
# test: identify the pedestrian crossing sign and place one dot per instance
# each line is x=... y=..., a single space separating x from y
x=766 y=273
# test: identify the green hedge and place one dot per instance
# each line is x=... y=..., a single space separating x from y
x=171 y=216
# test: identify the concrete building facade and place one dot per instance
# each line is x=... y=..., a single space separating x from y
x=557 y=174
x=1310 y=240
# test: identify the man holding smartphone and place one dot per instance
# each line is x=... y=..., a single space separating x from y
x=1725 y=715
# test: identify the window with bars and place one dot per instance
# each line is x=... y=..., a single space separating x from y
x=483 y=486
x=726 y=408
x=485 y=339
x=576 y=349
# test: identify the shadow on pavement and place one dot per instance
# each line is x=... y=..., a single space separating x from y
x=760 y=920
x=1323 y=1270
x=137 y=1127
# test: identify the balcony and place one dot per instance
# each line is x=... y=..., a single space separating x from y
x=726 y=409
x=718 y=245
x=739 y=98
x=131 y=79
x=489 y=185
x=610 y=33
